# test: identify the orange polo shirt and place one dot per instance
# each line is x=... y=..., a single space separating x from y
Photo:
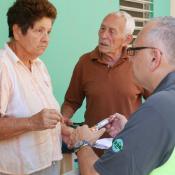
x=107 y=89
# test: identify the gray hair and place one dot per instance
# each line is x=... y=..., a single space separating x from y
x=164 y=35
x=130 y=22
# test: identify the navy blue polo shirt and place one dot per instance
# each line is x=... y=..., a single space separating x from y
x=148 y=138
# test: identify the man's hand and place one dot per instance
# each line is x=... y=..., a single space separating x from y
x=67 y=135
x=45 y=119
x=116 y=125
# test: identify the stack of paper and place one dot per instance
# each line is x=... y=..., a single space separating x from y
x=104 y=143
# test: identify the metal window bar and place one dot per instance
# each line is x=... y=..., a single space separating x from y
x=140 y=1
x=135 y=9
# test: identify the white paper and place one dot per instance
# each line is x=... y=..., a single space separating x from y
x=104 y=143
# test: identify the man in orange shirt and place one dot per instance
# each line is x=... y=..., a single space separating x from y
x=104 y=76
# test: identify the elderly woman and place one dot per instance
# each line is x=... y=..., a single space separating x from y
x=29 y=121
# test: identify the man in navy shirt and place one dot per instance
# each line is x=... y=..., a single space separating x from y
x=148 y=138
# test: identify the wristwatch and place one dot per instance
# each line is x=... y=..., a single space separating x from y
x=81 y=144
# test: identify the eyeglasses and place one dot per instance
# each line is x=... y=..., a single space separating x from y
x=132 y=50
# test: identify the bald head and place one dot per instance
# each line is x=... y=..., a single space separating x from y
x=154 y=55
x=160 y=32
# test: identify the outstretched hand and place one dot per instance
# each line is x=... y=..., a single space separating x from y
x=84 y=133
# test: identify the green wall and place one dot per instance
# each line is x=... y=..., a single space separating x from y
x=161 y=8
x=74 y=33
x=4 y=4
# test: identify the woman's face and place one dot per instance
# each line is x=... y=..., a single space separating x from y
x=36 y=40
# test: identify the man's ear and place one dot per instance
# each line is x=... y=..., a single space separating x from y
x=128 y=39
x=156 y=60
x=16 y=32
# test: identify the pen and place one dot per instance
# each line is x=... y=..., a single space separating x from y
x=102 y=123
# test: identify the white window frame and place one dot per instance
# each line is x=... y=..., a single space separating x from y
x=142 y=7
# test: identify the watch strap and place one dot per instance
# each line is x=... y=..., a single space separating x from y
x=80 y=145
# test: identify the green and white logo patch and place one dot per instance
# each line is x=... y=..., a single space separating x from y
x=117 y=145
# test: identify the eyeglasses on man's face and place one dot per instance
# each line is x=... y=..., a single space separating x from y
x=131 y=51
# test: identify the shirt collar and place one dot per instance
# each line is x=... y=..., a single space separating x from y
x=166 y=82
x=96 y=55
x=14 y=57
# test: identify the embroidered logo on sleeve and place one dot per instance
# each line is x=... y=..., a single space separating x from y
x=117 y=145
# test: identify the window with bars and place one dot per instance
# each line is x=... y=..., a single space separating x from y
x=141 y=10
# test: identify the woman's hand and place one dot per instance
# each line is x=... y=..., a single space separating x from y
x=45 y=119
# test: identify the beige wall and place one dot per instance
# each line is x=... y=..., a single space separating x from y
x=173 y=8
